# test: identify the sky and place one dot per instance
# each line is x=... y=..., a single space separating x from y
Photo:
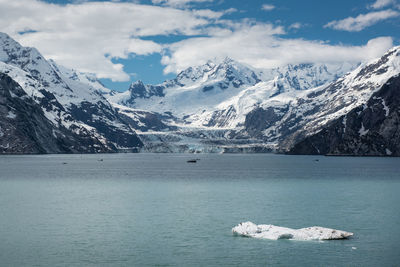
x=124 y=41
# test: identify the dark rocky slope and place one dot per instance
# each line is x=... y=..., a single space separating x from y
x=372 y=129
x=24 y=127
x=77 y=115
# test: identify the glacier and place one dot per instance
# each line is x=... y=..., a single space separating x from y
x=207 y=108
x=219 y=107
x=272 y=232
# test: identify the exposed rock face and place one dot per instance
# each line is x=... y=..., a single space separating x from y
x=145 y=121
x=372 y=129
x=217 y=107
x=23 y=126
x=25 y=129
x=230 y=107
x=310 y=111
x=260 y=119
x=107 y=122
x=228 y=102
x=139 y=90
x=86 y=120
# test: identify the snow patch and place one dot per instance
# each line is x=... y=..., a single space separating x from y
x=225 y=93
x=6 y=146
x=344 y=123
x=386 y=108
x=363 y=131
x=272 y=232
x=11 y=115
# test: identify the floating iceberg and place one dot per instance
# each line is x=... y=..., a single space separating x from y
x=273 y=232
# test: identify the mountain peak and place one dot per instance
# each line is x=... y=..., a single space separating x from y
x=7 y=46
x=13 y=53
x=136 y=84
x=394 y=48
x=138 y=89
x=225 y=73
x=228 y=60
x=381 y=69
x=4 y=37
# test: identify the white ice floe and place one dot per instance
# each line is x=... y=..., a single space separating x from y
x=273 y=232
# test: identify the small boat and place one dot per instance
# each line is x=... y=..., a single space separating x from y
x=191 y=161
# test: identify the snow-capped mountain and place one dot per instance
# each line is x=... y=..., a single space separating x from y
x=223 y=75
x=88 y=79
x=67 y=103
x=204 y=95
x=213 y=100
x=192 y=91
x=306 y=76
x=137 y=90
x=217 y=107
x=309 y=113
x=278 y=84
x=370 y=129
x=273 y=109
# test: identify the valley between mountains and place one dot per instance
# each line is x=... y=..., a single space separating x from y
x=218 y=107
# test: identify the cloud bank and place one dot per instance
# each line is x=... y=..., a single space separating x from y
x=261 y=47
x=178 y=3
x=267 y=7
x=361 y=21
x=89 y=35
x=382 y=3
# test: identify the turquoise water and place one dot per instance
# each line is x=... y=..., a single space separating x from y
x=158 y=210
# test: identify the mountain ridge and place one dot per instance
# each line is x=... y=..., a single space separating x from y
x=216 y=107
x=67 y=103
x=371 y=129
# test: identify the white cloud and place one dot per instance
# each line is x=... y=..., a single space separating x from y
x=267 y=7
x=230 y=10
x=87 y=36
x=81 y=35
x=178 y=3
x=260 y=46
x=361 y=21
x=296 y=25
x=382 y=3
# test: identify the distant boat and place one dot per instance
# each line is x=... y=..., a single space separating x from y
x=191 y=161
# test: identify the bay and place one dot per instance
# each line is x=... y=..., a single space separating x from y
x=159 y=210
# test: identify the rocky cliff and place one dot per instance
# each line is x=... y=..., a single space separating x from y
x=372 y=129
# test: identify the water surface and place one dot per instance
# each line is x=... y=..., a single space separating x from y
x=156 y=209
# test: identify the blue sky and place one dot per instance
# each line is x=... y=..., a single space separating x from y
x=152 y=40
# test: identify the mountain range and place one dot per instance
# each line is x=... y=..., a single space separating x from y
x=223 y=106
x=71 y=117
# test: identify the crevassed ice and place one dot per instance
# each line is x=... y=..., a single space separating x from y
x=268 y=231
